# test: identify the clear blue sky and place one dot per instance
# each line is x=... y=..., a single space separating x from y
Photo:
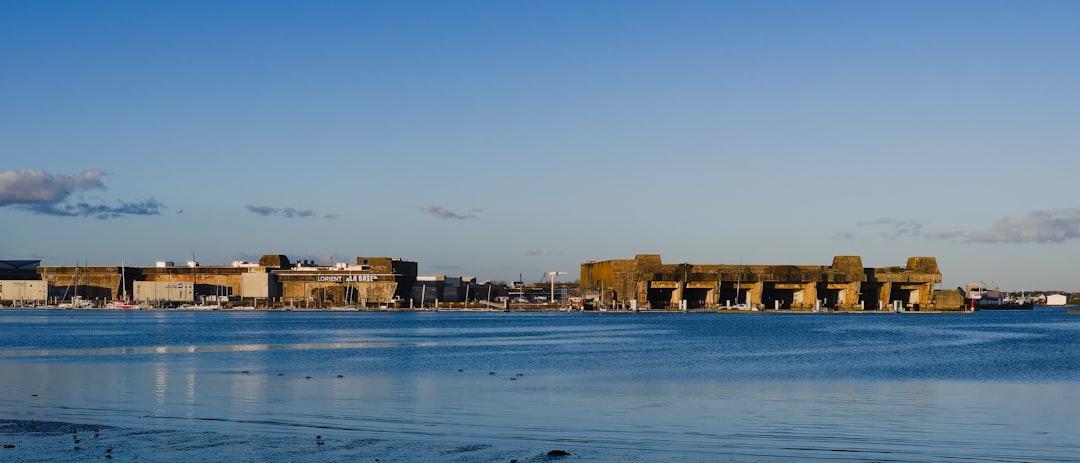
x=549 y=132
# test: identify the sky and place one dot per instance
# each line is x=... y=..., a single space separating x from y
x=504 y=138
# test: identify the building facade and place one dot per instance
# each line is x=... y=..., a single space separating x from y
x=382 y=281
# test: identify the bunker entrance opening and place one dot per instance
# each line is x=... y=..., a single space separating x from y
x=660 y=298
x=696 y=298
x=782 y=298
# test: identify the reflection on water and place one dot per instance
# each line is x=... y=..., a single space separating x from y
x=632 y=388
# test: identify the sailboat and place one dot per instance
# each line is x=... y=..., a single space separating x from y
x=77 y=302
x=123 y=302
x=739 y=305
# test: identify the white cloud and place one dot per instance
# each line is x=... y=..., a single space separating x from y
x=40 y=187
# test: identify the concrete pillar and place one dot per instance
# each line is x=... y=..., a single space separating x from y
x=810 y=296
x=883 y=294
x=677 y=294
x=712 y=297
x=754 y=292
x=926 y=293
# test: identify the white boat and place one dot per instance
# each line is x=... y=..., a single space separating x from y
x=199 y=307
x=77 y=302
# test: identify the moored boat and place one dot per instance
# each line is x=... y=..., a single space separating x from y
x=981 y=297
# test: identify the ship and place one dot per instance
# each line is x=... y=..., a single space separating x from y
x=979 y=296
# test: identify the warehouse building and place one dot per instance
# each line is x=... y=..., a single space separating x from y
x=158 y=292
x=23 y=292
x=645 y=281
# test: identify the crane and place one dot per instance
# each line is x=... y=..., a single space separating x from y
x=552 y=276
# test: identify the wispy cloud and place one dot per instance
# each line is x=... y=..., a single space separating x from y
x=289 y=212
x=542 y=252
x=894 y=228
x=261 y=210
x=40 y=192
x=443 y=213
x=100 y=211
x=1039 y=226
x=844 y=236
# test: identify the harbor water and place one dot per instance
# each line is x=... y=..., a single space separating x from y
x=259 y=386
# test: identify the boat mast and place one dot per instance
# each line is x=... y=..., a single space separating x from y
x=194 y=278
x=738 y=284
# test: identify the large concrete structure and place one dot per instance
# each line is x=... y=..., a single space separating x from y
x=382 y=281
x=844 y=285
x=274 y=280
x=100 y=283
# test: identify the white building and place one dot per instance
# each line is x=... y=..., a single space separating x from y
x=23 y=290
x=1057 y=300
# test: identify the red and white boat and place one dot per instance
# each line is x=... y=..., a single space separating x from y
x=123 y=302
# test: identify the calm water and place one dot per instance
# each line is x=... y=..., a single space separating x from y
x=670 y=387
